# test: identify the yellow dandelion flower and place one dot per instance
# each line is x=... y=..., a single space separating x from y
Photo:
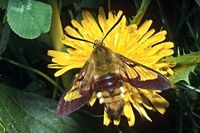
x=141 y=45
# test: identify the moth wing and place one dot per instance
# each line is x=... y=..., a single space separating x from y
x=79 y=92
x=141 y=76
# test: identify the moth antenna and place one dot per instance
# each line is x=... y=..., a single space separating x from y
x=112 y=27
x=72 y=37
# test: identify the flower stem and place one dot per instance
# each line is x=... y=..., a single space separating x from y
x=140 y=13
x=56 y=32
x=56 y=28
x=109 y=5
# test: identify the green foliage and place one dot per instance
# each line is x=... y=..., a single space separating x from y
x=4 y=38
x=25 y=16
x=23 y=112
x=198 y=2
x=30 y=105
x=185 y=64
x=91 y=3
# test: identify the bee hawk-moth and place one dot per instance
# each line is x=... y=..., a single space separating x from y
x=104 y=73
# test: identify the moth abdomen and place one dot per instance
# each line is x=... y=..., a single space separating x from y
x=115 y=109
x=109 y=81
x=113 y=102
x=111 y=93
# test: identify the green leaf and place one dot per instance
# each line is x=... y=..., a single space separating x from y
x=22 y=112
x=140 y=13
x=3 y=4
x=29 y=18
x=185 y=64
x=198 y=2
x=4 y=38
x=37 y=87
x=91 y=3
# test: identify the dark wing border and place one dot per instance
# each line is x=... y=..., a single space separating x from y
x=85 y=78
x=159 y=83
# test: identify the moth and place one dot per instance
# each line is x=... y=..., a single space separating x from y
x=104 y=73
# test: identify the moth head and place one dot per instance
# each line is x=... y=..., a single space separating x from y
x=100 y=50
x=98 y=43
